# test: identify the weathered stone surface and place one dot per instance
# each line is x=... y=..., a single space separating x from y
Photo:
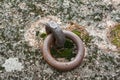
x=96 y=16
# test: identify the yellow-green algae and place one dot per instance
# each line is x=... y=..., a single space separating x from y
x=84 y=36
x=115 y=36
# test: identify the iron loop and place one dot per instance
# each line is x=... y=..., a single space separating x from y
x=64 y=66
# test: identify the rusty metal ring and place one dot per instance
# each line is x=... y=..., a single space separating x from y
x=64 y=66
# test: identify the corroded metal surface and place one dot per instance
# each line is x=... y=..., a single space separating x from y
x=52 y=27
x=64 y=66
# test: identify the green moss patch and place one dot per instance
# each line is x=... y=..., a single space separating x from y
x=115 y=35
x=43 y=35
x=67 y=52
x=83 y=35
x=39 y=35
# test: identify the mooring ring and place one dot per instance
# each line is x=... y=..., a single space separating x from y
x=64 y=66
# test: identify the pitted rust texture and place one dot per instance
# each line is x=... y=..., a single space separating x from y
x=58 y=35
x=64 y=66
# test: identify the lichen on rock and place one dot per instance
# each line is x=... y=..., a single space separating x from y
x=12 y=64
x=114 y=35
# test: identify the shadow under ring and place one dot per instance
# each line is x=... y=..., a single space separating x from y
x=64 y=66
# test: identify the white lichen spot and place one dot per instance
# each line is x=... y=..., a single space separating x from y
x=12 y=64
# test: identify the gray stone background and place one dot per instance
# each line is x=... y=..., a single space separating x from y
x=15 y=15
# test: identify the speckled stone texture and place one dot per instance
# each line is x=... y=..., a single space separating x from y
x=101 y=62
